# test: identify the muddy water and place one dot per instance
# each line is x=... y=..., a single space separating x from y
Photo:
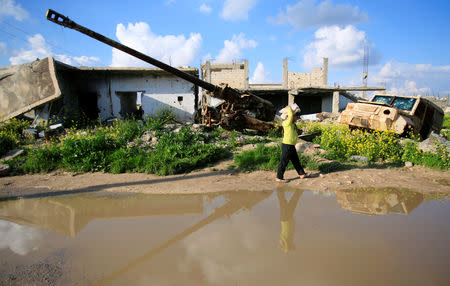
x=284 y=237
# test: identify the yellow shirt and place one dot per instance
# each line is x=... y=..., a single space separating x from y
x=290 y=132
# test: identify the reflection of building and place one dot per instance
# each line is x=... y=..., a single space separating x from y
x=67 y=215
x=379 y=202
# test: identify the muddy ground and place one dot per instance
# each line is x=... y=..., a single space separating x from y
x=220 y=178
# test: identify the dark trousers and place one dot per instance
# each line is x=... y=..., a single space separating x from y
x=288 y=153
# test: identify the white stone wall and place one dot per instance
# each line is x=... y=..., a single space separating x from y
x=157 y=92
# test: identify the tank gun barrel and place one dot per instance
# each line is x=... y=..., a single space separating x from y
x=64 y=21
x=237 y=101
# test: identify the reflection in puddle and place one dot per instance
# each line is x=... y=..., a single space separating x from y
x=371 y=201
x=231 y=238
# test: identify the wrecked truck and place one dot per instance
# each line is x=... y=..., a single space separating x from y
x=396 y=113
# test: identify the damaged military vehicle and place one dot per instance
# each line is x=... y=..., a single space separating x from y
x=396 y=113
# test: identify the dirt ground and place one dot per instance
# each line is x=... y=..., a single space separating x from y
x=219 y=178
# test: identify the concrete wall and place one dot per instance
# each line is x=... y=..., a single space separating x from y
x=152 y=91
x=298 y=80
x=233 y=74
x=233 y=77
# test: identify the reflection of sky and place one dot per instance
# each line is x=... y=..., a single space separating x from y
x=20 y=239
x=220 y=265
x=334 y=247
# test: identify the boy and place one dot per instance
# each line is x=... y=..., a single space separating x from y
x=288 y=152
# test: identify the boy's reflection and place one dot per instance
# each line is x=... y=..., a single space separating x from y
x=287 y=209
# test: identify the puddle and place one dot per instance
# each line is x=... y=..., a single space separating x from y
x=351 y=237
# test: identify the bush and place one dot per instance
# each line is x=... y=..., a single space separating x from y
x=446 y=122
x=89 y=153
x=43 y=160
x=181 y=152
x=14 y=128
x=7 y=142
x=439 y=159
x=341 y=143
x=125 y=160
x=127 y=130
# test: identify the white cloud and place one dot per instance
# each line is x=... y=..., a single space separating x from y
x=74 y=61
x=260 y=75
x=10 y=8
x=232 y=50
x=305 y=14
x=20 y=239
x=170 y=49
x=409 y=87
x=205 y=9
x=405 y=78
x=344 y=47
x=38 y=48
x=234 y=10
x=245 y=235
x=206 y=58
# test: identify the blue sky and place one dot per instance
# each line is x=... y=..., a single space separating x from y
x=409 y=41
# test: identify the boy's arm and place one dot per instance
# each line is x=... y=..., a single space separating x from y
x=290 y=115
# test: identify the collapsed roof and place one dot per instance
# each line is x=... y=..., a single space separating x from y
x=24 y=87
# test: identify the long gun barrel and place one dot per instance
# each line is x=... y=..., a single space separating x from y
x=264 y=109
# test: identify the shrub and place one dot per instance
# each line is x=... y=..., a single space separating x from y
x=439 y=159
x=43 y=160
x=89 y=153
x=446 y=122
x=181 y=152
x=127 y=130
x=341 y=143
x=155 y=122
x=7 y=142
x=125 y=160
x=14 y=128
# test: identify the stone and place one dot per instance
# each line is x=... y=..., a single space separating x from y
x=4 y=169
x=30 y=133
x=12 y=154
x=430 y=144
x=362 y=159
x=409 y=164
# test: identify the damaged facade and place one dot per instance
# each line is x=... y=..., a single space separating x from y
x=309 y=90
x=48 y=88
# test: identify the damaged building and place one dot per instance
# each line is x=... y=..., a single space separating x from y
x=309 y=90
x=47 y=88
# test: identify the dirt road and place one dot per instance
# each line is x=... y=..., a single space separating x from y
x=217 y=179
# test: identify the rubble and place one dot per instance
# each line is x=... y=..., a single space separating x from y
x=4 y=169
x=433 y=142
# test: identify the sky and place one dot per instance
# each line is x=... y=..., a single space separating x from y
x=407 y=43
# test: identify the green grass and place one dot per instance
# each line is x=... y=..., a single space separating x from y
x=116 y=149
x=106 y=149
x=446 y=122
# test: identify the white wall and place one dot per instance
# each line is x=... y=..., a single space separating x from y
x=158 y=91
